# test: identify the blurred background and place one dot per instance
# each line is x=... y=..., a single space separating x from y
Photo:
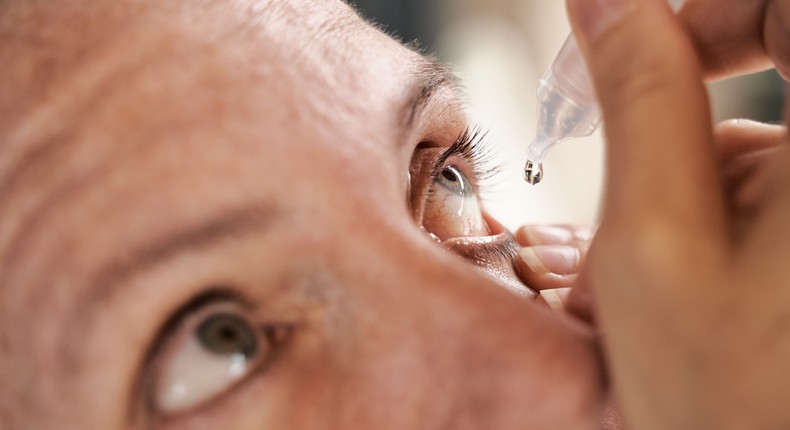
x=500 y=48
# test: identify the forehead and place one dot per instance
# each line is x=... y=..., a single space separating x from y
x=95 y=62
x=128 y=92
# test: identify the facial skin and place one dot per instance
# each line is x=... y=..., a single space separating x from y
x=162 y=163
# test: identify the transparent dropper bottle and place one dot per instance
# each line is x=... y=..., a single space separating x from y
x=567 y=106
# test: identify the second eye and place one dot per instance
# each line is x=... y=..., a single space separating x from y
x=209 y=353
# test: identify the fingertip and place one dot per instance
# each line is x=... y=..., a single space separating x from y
x=736 y=137
x=555 y=298
x=533 y=235
x=552 y=259
x=745 y=124
x=592 y=18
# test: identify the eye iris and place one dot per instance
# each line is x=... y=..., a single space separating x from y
x=226 y=335
x=453 y=180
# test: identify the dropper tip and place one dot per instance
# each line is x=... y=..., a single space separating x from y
x=533 y=173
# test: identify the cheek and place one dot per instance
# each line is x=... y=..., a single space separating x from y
x=464 y=354
x=476 y=375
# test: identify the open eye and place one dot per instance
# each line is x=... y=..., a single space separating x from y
x=213 y=354
x=452 y=208
x=445 y=195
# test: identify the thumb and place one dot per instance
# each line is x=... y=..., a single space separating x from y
x=660 y=155
x=664 y=212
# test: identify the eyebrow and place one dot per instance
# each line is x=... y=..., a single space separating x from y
x=430 y=77
x=232 y=223
x=109 y=281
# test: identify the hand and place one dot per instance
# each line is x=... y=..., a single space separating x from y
x=689 y=268
x=551 y=258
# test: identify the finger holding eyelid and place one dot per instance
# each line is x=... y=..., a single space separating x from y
x=550 y=266
x=554 y=234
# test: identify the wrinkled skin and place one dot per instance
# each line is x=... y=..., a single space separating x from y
x=252 y=154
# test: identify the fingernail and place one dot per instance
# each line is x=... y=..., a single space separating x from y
x=559 y=260
x=547 y=235
x=594 y=17
x=555 y=298
x=750 y=124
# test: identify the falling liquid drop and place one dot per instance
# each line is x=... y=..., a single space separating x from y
x=533 y=175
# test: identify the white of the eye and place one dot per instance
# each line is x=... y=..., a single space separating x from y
x=464 y=205
x=195 y=375
x=468 y=212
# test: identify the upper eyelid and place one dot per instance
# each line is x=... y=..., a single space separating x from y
x=455 y=149
x=471 y=146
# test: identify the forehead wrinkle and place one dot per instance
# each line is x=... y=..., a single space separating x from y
x=78 y=78
x=46 y=158
x=109 y=281
x=47 y=153
x=55 y=124
x=17 y=243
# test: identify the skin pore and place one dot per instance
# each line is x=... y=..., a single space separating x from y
x=168 y=165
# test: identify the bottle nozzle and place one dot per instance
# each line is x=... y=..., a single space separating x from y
x=536 y=152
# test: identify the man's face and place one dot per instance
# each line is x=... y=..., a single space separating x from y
x=246 y=214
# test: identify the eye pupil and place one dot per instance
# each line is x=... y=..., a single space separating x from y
x=226 y=335
x=450 y=175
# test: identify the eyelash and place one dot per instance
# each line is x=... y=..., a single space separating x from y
x=475 y=149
